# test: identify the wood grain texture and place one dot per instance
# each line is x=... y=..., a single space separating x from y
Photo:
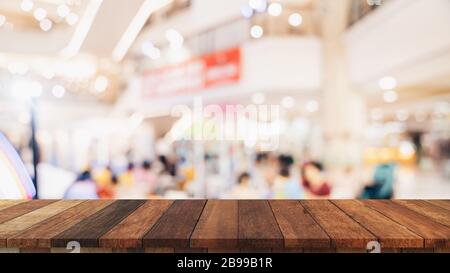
x=174 y=228
x=9 y=203
x=129 y=232
x=22 y=208
x=217 y=226
x=40 y=236
x=441 y=203
x=343 y=231
x=225 y=225
x=435 y=234
x=16 y=225
x=390 y=234
x=298 y=227
x=88 y=231
x=257 y=225
x=436 y=213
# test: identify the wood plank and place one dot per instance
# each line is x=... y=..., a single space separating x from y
x=9 y=203
x=217 y=226
x=257 y=225
x=129 y=232
x=16 y=225
x=298 y=227
x=343 y=231
x=436 y=213
x=175 y=227
x=435 y=234
x=22 y=208
x=441 y=203
x=40 y=235
x=390 y=233
x=88 y=231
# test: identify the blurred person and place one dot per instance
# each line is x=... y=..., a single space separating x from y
x=110 y=191
x=104 y=181
x=242 y=190
x=314 y=182
x=145 y=178
x=126 y=179
x=285 y=187
x=83 y=188
x=260 y=175
x=382 y=184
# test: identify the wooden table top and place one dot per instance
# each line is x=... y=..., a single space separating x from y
x=243 y=224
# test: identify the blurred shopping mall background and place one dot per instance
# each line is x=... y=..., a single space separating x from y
x=361 y=88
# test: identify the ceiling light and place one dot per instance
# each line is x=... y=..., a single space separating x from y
x=387 y=83
x=72 y=19
x=312 y=106
x=287 y=102
x=127 y=39
x=82 y=29
x=46 y=24
x=258 y=5
x=48 y=73
x=150 y=51
x=39 y=14
x=58 y=91
x=27 y=5
x=175 y=39
x=101 y=84
x=256 y=31
x=246 y=11
x=275 y=9
x=402 y=115
x=390 y=96
x=295 y=19
x=63 y=11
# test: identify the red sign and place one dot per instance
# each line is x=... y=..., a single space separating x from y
x=194 y=75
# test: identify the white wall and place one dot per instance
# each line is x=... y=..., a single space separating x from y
x=282 y=64
x=399 y=36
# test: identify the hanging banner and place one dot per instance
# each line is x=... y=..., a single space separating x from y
x=195 y=75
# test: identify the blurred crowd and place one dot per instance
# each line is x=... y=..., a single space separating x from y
x=272 y=176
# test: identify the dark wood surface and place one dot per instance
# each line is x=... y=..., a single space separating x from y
x=217 y=226
x=89 y=230
x=226 y=225
x=175 y=227
x=258 y=227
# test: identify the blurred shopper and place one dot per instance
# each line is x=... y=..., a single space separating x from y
x=314 y=182
x=104 y=177
x=145 y=179
x=104 y=181
x=382 y=185
x=260 y=175
x=243 y=190
x=83 y=188
x=285 y=187
x=126 y=179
